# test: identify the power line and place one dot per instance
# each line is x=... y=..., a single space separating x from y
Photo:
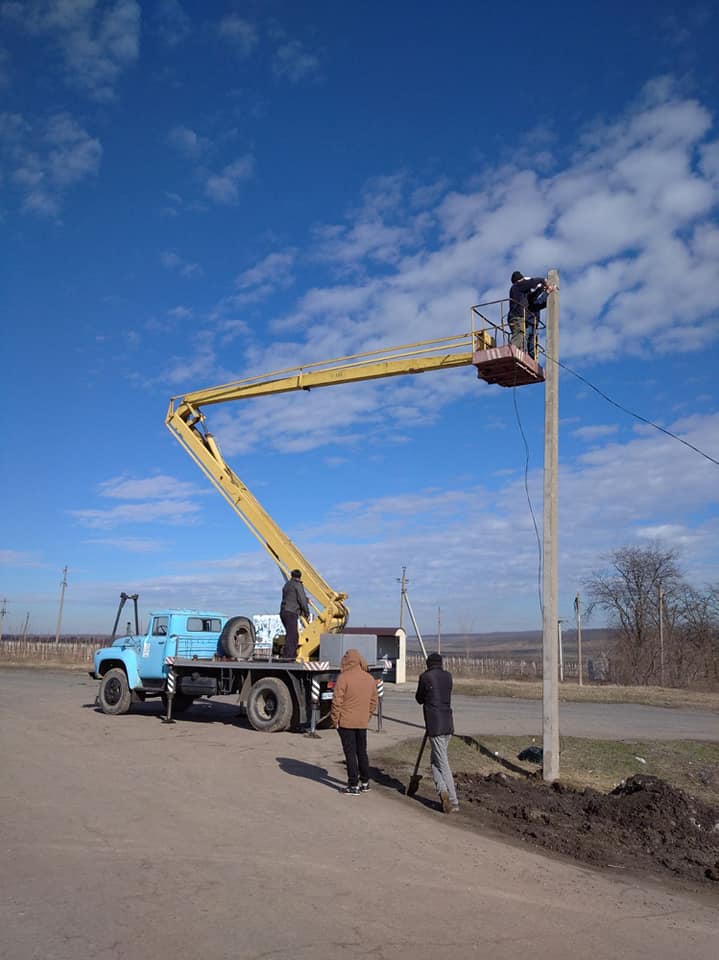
x=529 y=500
x=631 y=413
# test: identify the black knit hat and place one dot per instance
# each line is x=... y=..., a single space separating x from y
x=434 y=660
x=517 y=275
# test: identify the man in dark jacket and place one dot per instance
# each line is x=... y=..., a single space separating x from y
x=527 y=296
x=294 y=603
x=434 y=692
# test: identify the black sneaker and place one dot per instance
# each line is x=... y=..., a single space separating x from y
x=364 y=786
x=351 y=791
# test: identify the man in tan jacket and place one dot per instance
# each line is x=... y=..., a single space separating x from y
x=353 y=703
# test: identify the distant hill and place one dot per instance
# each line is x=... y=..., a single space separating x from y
x=527 y=643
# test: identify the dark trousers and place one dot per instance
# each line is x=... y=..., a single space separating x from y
x=354 y=744
x=289 y=622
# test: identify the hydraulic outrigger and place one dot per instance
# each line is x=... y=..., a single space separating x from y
x=487 y=348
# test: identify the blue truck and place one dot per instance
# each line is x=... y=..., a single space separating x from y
x=187 y=654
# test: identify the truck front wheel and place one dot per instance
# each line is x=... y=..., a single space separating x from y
x=115 y=695
x=269 y=705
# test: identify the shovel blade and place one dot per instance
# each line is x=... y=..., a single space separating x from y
x=413 y=784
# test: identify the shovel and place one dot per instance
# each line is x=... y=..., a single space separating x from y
x=413 y=786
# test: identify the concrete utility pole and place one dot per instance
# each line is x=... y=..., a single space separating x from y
x=578 y=611
x=403 y=581
x=3 y=611
x=439 y=629
x=24 y=629
x=550 y=692
x=62 y=600
x=404 y=600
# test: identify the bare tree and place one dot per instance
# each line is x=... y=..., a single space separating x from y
x=695 y=654
x=628 y=592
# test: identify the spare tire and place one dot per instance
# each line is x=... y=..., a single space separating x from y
x=237 y=639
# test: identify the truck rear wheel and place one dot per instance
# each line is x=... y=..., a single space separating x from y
x=115 y=695
x=237 y=639
x=269 y=705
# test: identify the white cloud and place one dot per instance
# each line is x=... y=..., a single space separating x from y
x=44 y=159
x=4 y=67
x=129 y=544
x=629 y=221
x=172 y=24
x=18 y=558
x=294 y=63
x=273 y=272
x=175 y=512
x=187 y=142
x=595 y=432
x=223 y=188
x=147 y=488
x=173 y=261
x=626 y=494
x=240 y=33
x=96 y=43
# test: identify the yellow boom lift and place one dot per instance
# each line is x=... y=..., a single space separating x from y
x=486 y=347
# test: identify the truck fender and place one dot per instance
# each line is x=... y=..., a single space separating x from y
x=113 y=657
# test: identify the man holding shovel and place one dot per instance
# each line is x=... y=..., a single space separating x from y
x=434 y=692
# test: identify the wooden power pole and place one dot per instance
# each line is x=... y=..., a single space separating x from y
x=550 y=692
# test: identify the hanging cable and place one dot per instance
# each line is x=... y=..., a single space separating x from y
x=631 y=412
x=529 y=498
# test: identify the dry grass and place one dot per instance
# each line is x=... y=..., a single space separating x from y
x=40 y=653
x=594 y=693
x=691 y=765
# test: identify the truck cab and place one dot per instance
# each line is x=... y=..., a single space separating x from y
x=170 y=633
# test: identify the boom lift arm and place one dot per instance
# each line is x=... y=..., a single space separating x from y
x=186 y=419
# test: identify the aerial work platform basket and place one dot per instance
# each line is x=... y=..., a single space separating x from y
x=501 y=356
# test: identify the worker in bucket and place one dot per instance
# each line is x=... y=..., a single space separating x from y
x=434 y=692
x=353 y=702
x=527 y=296
x=294 y=603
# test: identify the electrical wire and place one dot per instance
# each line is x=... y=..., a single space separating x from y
x=631 y=412
x=529 y=498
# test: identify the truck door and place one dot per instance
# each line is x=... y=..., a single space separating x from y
x=154 y=648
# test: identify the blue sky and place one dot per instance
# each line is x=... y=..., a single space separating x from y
x=191 y=193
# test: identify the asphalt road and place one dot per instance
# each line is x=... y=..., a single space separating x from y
x=125 y=838
x=610 y=721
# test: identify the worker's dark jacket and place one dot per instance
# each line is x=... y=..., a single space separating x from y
x=434 y=692
x=521 y=295
x=294 y=598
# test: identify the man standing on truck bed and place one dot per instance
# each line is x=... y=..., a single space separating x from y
x=294 y=603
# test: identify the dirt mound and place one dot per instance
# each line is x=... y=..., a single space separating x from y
x=643 y=824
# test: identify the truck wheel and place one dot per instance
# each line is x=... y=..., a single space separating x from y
x=115 y=695
x=269 y=705
x=237 y=639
